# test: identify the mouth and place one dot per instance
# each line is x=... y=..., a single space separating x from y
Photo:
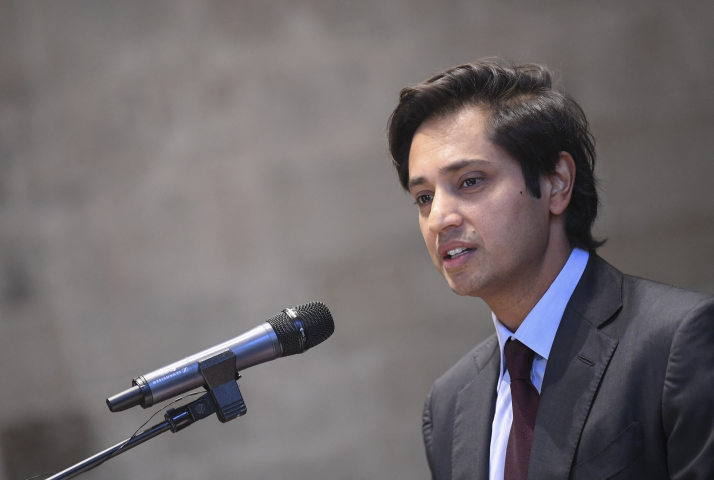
x=457 y=252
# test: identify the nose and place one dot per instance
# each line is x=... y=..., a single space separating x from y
x=444 y=212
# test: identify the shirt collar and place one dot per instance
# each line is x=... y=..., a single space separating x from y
x=538 y=329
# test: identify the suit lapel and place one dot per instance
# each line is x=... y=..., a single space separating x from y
x=579 y=358
x=473 y=416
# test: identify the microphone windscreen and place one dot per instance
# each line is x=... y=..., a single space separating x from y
x=315 y=320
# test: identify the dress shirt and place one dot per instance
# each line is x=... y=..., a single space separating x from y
x=537 y=332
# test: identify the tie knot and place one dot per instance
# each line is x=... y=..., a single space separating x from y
x=519 y=360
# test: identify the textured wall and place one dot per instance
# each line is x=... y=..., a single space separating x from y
x=173 y=173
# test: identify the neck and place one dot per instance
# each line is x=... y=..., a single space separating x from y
x=512 y=306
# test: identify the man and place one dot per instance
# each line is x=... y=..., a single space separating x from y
x=591 y=374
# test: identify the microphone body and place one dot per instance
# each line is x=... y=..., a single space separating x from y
x=291 y=331
x=255 y=346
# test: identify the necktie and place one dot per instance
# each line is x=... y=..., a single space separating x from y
x=524 y=399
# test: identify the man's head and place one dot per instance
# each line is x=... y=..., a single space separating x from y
x=501 y=165
x=526 y=116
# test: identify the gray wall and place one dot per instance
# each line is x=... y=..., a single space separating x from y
x=173 y=173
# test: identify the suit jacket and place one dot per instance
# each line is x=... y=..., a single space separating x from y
x=628 y=391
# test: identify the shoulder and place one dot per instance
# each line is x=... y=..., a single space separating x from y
x=667 y=325
x=658 y=308
x=475 y=374
x=617 y=303
x=658 y=299
x=466 y=369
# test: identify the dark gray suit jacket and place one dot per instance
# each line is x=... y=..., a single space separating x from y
x=628 y=391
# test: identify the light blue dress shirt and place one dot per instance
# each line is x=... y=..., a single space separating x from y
x=537 y=332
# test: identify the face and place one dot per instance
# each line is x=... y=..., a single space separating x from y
x=484 y=231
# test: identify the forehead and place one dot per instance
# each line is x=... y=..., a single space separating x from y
x=443 y=141
x=466 y=125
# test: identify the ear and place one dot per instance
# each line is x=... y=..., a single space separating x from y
x=561 y=182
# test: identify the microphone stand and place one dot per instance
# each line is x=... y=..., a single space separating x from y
x=223 y=398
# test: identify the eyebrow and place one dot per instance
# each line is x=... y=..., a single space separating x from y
x=447 y=170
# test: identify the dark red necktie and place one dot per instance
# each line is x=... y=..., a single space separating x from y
x=524 y=398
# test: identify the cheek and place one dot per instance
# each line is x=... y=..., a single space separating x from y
x=506 y=225
x=427 y=234
x=534 y=213
x=529 y=230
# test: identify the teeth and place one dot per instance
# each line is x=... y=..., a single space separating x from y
x=456 y=251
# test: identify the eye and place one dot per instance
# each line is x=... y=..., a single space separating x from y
x=423 y=199
x=470 y=182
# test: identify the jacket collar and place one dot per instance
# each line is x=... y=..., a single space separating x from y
x=598 y=295
x=473 y=415
x=579 y=358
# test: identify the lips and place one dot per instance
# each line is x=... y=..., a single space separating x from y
x=457 y=252
x=454 y=249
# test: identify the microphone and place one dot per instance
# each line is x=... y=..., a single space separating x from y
x=294 y=330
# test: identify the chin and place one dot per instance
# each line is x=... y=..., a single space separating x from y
x=469 y=283
x=464 y=289
x=466 y=293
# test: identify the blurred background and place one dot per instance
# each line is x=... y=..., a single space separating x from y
x=173 y=173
